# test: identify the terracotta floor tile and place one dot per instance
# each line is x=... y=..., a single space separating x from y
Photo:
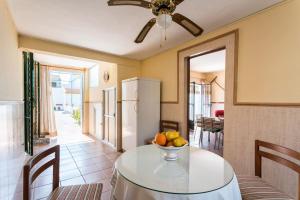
x=42 y=192
x=102 y=158
x=42 y=180
x=69 y=174
x=85 y=163
x=106 y=195
x=113 y=156
x=47 y=172
x=17 y=196
x=89 y=169
x=79 y=163
x=66 y=161
x=104 y=165
x=97 y=176
x=67 y=167
x=74 y=181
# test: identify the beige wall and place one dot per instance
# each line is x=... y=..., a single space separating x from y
x=163 y=67
x=268 y=58
x=38 y=45
x=11 y=76
x=95 y=95
x=268 y=45
x=217 y=92
x=197 y=77
x=126 y=72
x=217 y=95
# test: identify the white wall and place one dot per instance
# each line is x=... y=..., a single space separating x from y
x=11 y=76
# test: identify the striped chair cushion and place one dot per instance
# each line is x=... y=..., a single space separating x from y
x=77 y=192
x=253 y=187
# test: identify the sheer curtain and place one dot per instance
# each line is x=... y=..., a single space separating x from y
x=48 y=126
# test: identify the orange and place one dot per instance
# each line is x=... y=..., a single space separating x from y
x=160 y=139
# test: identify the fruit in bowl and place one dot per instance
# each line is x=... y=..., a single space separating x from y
x=170 y=142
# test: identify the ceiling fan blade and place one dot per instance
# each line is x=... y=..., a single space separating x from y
x=140 y=38
x=177 y=2
x=188 y=24
x=140 y=3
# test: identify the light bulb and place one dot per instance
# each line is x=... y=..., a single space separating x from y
x=164 y=21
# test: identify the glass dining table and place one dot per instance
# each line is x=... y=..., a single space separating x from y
x=143 y=174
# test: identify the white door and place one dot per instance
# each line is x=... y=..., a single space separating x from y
x=110 y=116
x=130 y=90
x=129 y=124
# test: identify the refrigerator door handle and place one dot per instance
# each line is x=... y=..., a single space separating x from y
x=135 y=107
x=136 y=94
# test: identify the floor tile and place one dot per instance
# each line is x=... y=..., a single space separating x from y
x=67 y=167
x=89 y=169
x=74 y=181
x=69 y=174
x=43 y=180
x=42 y=192
x=106 y=195
x=85 y=163
x=113 y=156
x=98 y=176
x=79 y=163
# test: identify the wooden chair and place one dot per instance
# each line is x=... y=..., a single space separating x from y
x=42 y=161
x=254 y=187
x=211 y=126
x=166 y=125
x=221 y=133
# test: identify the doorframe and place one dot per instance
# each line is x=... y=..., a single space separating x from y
x=81 y=72
x=188 y=75
x=230 y=41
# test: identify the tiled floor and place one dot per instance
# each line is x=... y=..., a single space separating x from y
x=68 y=131
x=210 y=146
x=88 y=162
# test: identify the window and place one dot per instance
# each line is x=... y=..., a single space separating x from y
x=94 y=76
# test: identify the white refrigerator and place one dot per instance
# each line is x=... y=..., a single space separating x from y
x=140 y=111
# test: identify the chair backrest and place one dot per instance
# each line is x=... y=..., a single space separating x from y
x=36 y=165
x=206 y=123
x=276 y=158
x=169 y=125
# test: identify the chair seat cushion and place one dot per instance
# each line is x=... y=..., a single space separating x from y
x=253 y=187
x=77 y=192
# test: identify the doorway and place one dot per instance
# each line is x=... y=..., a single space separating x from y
x=109 y=104
x=67 y=98
x=206 y=94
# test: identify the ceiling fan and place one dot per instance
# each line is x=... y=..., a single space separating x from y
x=163 y=10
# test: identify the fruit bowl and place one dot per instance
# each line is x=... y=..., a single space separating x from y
x=171 y=151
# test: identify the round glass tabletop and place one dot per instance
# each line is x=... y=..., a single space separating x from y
x=195 y=171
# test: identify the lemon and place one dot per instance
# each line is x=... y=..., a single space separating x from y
x=171 y=135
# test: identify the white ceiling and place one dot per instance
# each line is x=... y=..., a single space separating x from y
x=61 y=61
x=92 y=24
x=212 y=62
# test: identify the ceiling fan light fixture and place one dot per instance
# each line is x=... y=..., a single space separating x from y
x=164 y=21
